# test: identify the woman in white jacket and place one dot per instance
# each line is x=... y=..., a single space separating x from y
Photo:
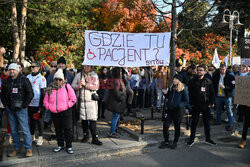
x=86 y=83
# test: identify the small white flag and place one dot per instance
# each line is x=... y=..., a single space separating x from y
x=225 y=60
x=216 y=61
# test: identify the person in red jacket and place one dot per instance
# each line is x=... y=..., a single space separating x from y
x=4 y=75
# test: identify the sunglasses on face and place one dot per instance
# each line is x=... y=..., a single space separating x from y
x=33 y=66
x=53 y=66
x=58 y=79
x=4 y=69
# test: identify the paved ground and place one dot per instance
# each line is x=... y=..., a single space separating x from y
x=128 y=144
x=225 y=154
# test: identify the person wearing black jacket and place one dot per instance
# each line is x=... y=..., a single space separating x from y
x=224 y=83
x=201 y=93
x=101 y=91
x=177 y=101
x=16 y=95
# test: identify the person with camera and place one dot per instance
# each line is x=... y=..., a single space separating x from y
x=59 y=99
x=86 y=83
x=16 y=95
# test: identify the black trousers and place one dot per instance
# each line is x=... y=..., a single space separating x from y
x=246 y=124
x=89 y=125
x=63 y=127
x=195 y=119
x=33 y=122
x=101 y=108
x=175 y=116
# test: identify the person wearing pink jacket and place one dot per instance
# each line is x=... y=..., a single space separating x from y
x=59 y=99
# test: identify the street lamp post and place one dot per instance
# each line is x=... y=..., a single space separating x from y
x=232 y=17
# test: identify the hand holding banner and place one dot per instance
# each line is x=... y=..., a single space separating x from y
x=126 y=49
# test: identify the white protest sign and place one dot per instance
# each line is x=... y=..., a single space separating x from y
x=126 y=49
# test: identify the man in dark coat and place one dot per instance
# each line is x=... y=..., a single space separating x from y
x=224 y=83
x=201 y=94
x=16 y=95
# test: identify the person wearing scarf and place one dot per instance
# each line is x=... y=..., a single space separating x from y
x=59 y=99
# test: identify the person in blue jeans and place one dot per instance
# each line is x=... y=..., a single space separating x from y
x=15 y=89
x=116 y=99
x=224 y=84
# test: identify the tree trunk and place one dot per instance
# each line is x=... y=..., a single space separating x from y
x=173 y=42
x=23 y=31
x=15 y=33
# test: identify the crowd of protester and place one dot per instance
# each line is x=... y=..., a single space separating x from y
x=49 y=95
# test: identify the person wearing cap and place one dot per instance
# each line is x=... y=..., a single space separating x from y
x=175 y=108
x=38 y=83
x=201 y=94
x=86 y=83
x=59 y=99
x=61 y=64
x=16 y=95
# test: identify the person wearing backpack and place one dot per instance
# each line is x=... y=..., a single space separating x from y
x=59 y=99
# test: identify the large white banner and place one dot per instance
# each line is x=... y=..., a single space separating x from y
x=126 y=49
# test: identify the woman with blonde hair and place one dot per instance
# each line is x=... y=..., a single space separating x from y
x=177 y=100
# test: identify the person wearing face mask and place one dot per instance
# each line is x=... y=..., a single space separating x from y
x=38 y=83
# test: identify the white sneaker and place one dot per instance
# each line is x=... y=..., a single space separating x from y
x=33 y=138
x=40 y=141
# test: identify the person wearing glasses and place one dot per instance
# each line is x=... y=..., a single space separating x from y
x=38 y=83
x=59 y=99
x=201 y=95
x=61 y=64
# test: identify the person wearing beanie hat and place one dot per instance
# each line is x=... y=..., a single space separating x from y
x=16 y=95
x=59 y=74
x=59 y=99
x=14 y=66
x=61 y=63
x=61 y=60
x=179 y=77
x=178 y=99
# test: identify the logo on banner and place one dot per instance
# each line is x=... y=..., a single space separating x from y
x=90 y=55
